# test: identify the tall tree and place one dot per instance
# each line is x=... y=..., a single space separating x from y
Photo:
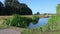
x=14 y=7
x=1 y=8
x=11 y=6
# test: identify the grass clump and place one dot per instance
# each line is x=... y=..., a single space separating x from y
x=30 y=32
x=3 y=26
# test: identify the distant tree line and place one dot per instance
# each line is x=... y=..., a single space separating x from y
x=11 y=7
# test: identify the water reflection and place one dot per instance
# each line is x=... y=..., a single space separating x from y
x=41 y=21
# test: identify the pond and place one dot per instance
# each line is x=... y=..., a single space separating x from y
x=41 y=21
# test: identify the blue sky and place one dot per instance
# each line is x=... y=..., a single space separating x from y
x=42 y=6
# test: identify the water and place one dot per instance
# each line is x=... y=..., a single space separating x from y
x=41 y=21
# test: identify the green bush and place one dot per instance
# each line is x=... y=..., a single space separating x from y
x=34 y=19
x=54 y=22
x=18 y=21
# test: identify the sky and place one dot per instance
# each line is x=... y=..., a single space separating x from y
x=42 y=6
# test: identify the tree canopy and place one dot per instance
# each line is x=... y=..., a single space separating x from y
x=14 y=7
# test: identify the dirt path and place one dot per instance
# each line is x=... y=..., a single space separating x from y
x=9 y=31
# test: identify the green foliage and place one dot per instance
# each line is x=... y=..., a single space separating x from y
x=42 y=28
x=18 y=21
x=30 y=32
x=54 y=22
x=2 y=26
x=39 y=32
x=26 y=11
x=11 y=7
x=35 y=19
x=58 y=9
x=14 y=7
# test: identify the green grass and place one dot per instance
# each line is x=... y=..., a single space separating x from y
x=50 y=32
x=54 y=22
x=30 y=32
x=3 y=26
x=39 y=32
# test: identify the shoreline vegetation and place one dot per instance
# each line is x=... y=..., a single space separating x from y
x=23 y=20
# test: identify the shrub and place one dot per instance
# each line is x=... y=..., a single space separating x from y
x=54 y=22
x=35 y=19
x=18 y=21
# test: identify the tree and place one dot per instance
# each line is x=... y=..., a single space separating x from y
x=11 y=3
x=1 y=5
x=1 y=8
x=58 y=9
x=10 y=6
x=37 y=13
x=26 y=11
x=14 y=7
